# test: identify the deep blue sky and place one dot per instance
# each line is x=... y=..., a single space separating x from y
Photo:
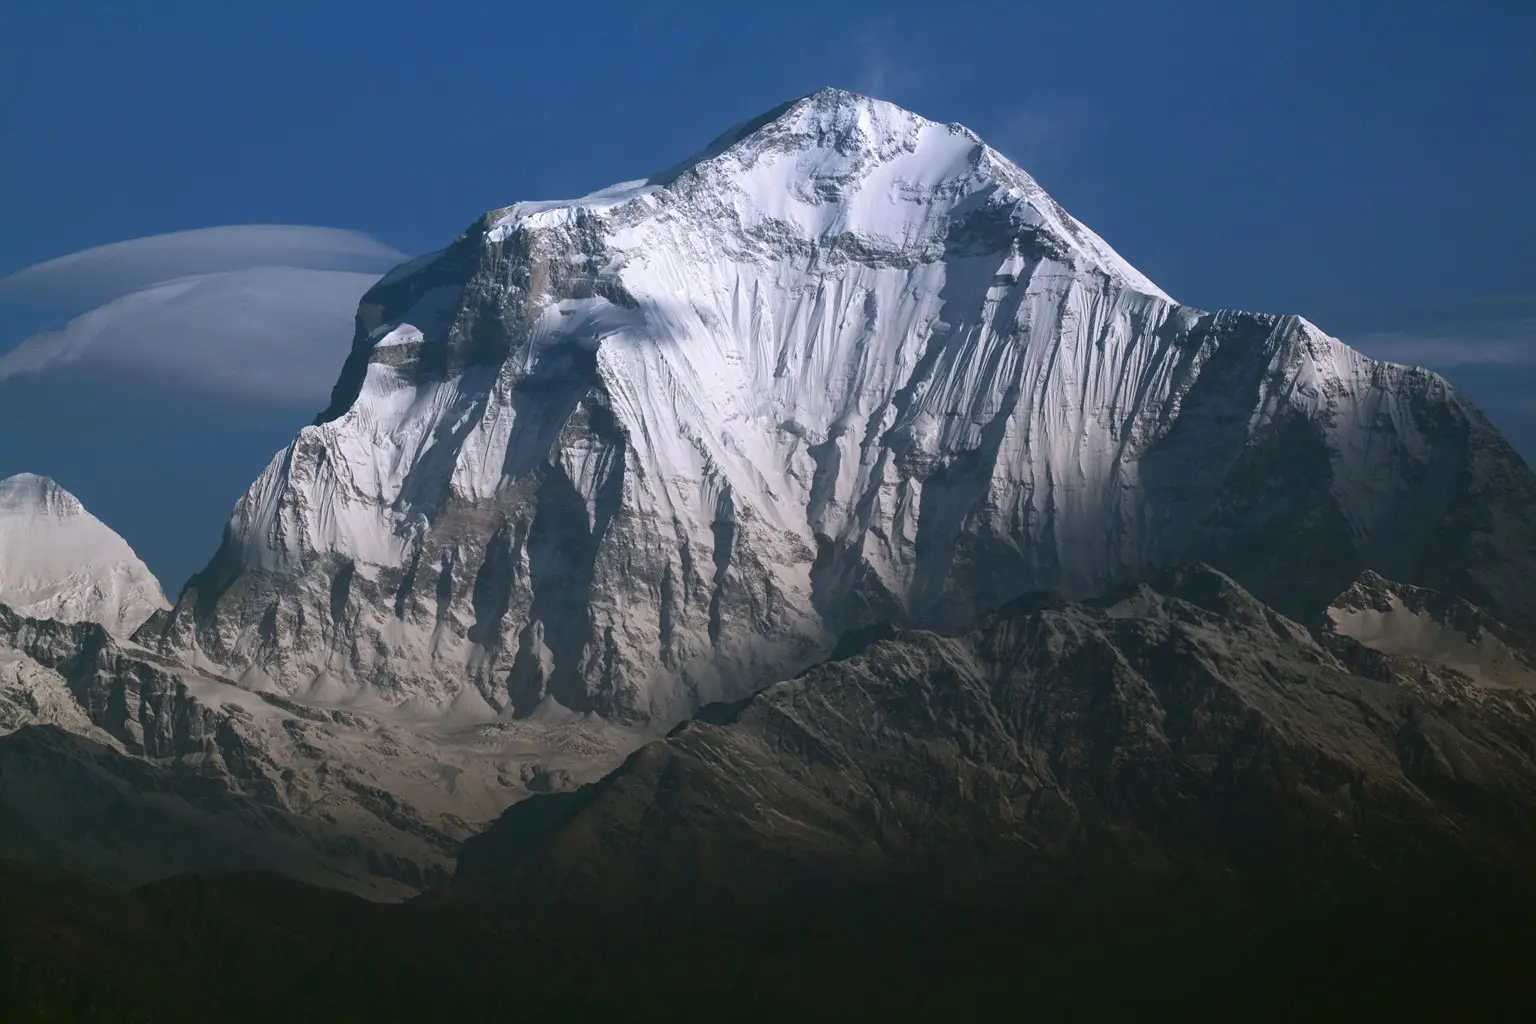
x=1367 y=164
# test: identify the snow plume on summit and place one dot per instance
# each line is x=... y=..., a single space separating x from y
x=661 y=445
x=57 y=561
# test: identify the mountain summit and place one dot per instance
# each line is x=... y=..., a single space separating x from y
x=57 y=561
x=660 y=445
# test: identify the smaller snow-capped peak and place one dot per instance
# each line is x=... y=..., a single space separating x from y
x=30 y=494
x=57 y=561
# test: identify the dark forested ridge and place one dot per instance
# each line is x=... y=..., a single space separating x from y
x=261 y=948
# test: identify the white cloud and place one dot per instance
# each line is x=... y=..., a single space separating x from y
x=254 y=311
x=93 y=276
x=271 y=334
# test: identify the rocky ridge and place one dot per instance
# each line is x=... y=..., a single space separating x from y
x=129 y=767
x=1177 y=734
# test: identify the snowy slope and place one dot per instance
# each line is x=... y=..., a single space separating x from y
x=57 y=561
x=660 y=445
x=1405 y=621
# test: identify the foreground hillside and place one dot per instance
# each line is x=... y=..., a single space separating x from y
x=261 y=948
x=1173 y=802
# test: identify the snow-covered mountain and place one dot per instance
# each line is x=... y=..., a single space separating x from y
x=57 y=561
x=663 y=444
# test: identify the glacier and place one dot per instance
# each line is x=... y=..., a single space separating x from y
x=629 y=454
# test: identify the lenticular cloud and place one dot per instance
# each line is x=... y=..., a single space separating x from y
x=275 y=334
x=256 y=312
x=93 y=276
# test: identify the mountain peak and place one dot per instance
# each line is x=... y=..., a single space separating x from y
x=827 y=114
x=833 y=95
x=57 y=561
x=30 y=494
x=838 y=112
x=838 y=169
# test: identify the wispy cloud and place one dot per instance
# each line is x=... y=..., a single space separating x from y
x=1503 y=299
x=1044 y=136
x=257 y=312
x=882 y=67
x=1510 y=345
